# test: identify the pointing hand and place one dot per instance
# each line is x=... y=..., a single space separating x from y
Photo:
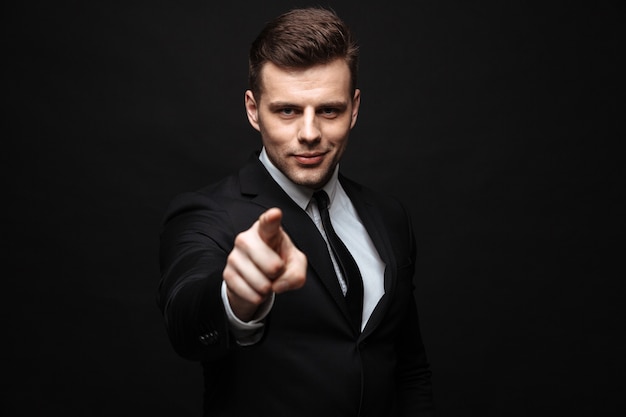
x=263 y=260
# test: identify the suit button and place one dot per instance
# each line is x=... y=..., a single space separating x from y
x=209 y=338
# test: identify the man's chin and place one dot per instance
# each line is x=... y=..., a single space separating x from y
x=310 y=179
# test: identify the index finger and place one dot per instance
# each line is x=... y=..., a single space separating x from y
x=269 y=227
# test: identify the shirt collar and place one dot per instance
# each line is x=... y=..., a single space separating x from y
x=300 y=194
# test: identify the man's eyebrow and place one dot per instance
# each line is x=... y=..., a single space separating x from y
x=277 y=105
x=335 y=104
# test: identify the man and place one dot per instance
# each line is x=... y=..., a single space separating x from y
x=287 y=320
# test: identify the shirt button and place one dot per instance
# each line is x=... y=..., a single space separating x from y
x=209 y=338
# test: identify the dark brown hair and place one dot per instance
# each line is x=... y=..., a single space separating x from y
x=302 y=38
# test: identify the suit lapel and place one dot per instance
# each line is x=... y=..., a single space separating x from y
x=374 y=224
x=258 y=185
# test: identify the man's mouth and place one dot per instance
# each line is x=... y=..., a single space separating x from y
x=310 y=158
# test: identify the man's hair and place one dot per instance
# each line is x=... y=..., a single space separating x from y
x=302 y=38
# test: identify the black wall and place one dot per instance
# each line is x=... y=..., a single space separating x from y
x=494 y=121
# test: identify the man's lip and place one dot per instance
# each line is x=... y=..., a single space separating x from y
x=310 y=158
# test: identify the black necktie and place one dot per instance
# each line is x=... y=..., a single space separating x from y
x=347 y=265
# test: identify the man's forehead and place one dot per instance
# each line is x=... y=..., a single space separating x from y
x=328 y=78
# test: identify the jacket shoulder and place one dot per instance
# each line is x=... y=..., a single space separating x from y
x=384 y=202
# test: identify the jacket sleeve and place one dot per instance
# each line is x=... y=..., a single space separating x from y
x=194 y=244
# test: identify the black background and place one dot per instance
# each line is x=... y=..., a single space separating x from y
x=493 y=121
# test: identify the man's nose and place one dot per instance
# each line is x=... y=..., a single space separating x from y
x=309 y=129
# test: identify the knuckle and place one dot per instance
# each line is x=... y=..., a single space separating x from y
x=241 y=241
x=228 y=273
x=256 y=299
x=265 y=288
x=275 y=267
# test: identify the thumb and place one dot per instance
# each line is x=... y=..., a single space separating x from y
x=269 y=226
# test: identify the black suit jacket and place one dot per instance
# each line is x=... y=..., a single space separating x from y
x=310 y=361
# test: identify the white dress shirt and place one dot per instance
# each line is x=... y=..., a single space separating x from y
x=350 y=230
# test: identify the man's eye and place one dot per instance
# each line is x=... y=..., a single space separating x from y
x=329 y=111
x=287 y=111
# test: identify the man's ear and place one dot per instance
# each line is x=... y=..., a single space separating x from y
x=252 y=110
x=356 y=103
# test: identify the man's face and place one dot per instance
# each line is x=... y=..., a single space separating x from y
x=305 y=117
